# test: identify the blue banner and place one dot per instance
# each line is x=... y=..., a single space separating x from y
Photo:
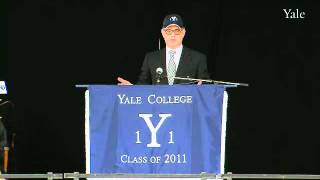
x=155 y=129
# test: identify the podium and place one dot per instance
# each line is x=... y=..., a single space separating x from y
x=155 y=129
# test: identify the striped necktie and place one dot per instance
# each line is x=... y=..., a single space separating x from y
x=171 y=69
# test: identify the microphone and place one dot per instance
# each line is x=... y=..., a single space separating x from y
x=159 y=72
x=7 y=102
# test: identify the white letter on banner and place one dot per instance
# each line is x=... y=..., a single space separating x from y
x=121 y=97
x=153 y=129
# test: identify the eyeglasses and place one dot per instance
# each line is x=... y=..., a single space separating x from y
x=175 y=31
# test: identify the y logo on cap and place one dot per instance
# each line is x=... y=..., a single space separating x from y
x=173 y=18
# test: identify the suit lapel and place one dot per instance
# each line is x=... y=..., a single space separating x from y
x=184 y=59
x=163 y=65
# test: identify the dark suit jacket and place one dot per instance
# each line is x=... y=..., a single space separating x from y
x=193 y=64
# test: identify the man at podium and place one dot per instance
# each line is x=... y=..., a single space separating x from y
x=175 y=60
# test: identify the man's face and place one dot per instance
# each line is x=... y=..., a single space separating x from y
x=173 y=36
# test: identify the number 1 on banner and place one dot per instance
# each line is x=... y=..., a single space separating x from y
x=138 y=138
x=171 y=137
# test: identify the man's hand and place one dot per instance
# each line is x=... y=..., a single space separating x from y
x=199 y=83
x=123 y=81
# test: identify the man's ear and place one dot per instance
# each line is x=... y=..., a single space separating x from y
x=162 y=32
x=184 y=31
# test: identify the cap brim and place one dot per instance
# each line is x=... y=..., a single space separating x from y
x=172 y=25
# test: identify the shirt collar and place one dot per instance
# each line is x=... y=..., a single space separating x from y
x=178 y=49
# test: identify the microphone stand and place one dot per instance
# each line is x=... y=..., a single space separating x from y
x=159 y=72
x=213 y=81
x=158 y=80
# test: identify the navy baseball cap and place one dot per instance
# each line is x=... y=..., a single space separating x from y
x=172 y=19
